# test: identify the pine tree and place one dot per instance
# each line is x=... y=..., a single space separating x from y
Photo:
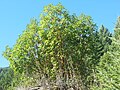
x=104 y=39
x=6 y=78
x=108 y=69
x=117 y=29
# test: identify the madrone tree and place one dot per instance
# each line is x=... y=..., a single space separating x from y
x=58 y=49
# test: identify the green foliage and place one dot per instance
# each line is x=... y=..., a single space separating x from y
x=101 y=42
x=23 y=55
x=65 y=51
x=58 y=46
x=105 y=39
x=6 y=77
x=108 y=73
x=117 y=29
x=108 y=69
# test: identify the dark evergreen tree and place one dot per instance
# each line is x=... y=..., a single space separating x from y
x=101 y=44
x=108 y=69
x=6 y=77
x=117 y=29
x=104 y=39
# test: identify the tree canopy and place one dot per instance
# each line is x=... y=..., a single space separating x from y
x=63 y=51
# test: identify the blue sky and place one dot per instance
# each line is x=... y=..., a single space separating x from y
x=16 y=14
